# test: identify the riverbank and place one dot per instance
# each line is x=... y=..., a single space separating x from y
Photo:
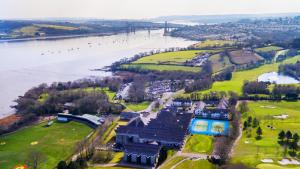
x=30 y=63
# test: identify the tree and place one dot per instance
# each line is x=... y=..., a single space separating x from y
x=281 y=136
x=243 y=107
x=296 y=137
x=255 y=122
x=249 y=120
x=259 y=132
x=288 y=135
x=294 y=145
x=35 y=158
x=245 y=125
x=62 y=165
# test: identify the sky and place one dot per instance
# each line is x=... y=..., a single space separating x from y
x=139 y=9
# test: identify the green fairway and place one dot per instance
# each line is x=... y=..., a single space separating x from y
x=157 y=67
x=268 y=49
x=219 y=63
x=249 y=150
x=195 y=164
x=198 y=144
x=238 y=78
x=56 y=142
x=272 y=166
x=171 y=57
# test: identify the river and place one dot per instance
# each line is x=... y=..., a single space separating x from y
x=29 y=63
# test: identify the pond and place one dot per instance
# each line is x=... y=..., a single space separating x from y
x=274 y=77
x=209 y=127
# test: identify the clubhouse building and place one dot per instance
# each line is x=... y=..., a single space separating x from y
x=142 y=142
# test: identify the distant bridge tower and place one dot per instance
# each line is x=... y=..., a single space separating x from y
x=166 y=29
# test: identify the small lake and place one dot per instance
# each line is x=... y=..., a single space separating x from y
x=274 y=77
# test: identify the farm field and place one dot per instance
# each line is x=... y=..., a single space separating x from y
x=198 y=144
x=238 y=78
x=171 y=57
x=213 y=43
x=57 y=142
x=241 y=57
x=157 y=67
x=249 y=150
x=219 y=63
x=268 y=49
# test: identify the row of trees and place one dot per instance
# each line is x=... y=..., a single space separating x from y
x=255 y=88
x=292 y=70
x=289 y=140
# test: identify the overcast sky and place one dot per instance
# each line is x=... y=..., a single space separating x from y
x=139 y=9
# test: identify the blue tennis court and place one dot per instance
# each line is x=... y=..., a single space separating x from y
x=209 y=127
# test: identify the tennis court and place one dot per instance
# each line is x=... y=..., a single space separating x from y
x=209 y=127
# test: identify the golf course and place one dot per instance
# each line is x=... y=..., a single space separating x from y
x=55 y=142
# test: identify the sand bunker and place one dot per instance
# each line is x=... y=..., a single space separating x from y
x=289 y=162
x=283 y=116
x=267 y=160
x=34 y=143
x=269 y=107
x=2 y=143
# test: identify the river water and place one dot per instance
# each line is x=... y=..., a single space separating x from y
x=30 y=63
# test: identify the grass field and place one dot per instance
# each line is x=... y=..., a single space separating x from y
x=198 y=144
x=116 y=167
x=219 y=63
x=213 y=43
x=238 y=78
x=249 y=150
x=137 y=106
x=172 y=162
x=157 y=67
x=56 y=142
x=268 y=49
x=195 y=164
x=170 y=57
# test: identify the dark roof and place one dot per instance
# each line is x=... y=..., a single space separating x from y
x=167 y=126
x=141 y=148
x=129 y=115
x=216 y=110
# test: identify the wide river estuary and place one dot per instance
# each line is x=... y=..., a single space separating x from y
x=27 y=64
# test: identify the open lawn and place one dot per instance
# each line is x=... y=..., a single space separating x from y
x=249 y=150
x=137 y=106
x=213 y=43
x=198 y=144
x=171 y=57
x=171 y=162
x=56 y=142
x=158 y=67
x=268 y=49
x=238 y=78
x=219 y=63
x=195 y=164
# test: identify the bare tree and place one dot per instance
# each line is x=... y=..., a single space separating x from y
x=35 y=158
